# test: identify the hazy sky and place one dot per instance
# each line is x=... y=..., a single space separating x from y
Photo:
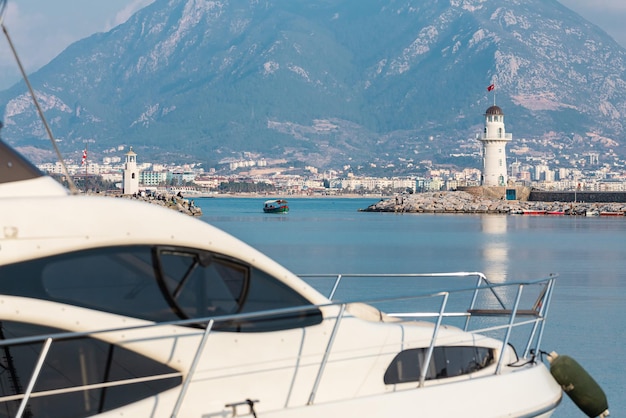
x=41 y=29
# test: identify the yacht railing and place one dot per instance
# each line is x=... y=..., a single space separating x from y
x=536 y=313
x=486 y=300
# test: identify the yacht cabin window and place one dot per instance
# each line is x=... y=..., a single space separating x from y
x=446 y=361
x=158 y=283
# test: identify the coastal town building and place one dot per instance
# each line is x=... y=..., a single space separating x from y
x=530 y=173
x=375 y=183
x=181 y=177
x=152 y=178
x=494 y=140
x=585 y=171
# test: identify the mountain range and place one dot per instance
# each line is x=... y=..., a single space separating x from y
x=328 y=82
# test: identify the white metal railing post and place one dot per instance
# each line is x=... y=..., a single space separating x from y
x=509 y=328
x=192 y=369
x=539 y=321
x=474 y=297
x=331 y=340
x=431 y=348
x=332 y=292
x=545 y=308
x=33 y=379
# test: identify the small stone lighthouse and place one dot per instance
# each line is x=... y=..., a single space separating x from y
x=494 y=141
x=131 y=173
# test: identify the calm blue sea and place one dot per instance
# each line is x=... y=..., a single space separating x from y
x=587 y=319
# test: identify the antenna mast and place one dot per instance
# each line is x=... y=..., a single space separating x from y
x=70 y=182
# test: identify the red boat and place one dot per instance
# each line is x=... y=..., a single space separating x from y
x=533 y=212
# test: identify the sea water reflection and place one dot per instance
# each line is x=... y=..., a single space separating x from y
x=495 y=252
x=587 y=317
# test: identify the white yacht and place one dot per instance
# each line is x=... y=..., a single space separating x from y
x=117 y=308
x=112 y=307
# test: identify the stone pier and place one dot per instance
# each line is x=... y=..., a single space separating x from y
x=466 y=202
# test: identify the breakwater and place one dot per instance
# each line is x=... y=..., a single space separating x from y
x=170 y=201
x=464 y=202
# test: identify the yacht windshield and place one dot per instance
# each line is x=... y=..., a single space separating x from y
x=159 y=284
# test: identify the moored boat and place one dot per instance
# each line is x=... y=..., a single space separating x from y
x=533 y=212
x=276 y=206
x=608 y=213
x=555 y=212
x=103 y=317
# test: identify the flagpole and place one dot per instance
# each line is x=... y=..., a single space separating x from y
x=86 y=164
x=492 y=87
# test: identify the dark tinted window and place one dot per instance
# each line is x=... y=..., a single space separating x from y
x=202 y=284
x=266 y=293
x=74 y=363
x=159 y=284
x=446 y=362
x=119 y=280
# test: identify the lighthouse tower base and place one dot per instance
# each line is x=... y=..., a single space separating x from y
x=498 y=192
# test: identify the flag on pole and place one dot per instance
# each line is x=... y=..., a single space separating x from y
x=491 y=87
x=84 y=160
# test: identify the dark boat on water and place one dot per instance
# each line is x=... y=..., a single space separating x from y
x=275 y=206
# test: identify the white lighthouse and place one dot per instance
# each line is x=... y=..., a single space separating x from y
x=494 y=141
x=131 y=173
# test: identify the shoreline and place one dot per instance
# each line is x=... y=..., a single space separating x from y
x=283 y=196
x=452 y=202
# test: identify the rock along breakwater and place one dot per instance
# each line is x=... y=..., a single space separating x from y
x=176 y=202
x=464 y=202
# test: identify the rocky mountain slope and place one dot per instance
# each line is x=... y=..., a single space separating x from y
x=324 y=82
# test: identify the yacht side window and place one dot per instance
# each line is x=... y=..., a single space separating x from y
x=445 y=362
